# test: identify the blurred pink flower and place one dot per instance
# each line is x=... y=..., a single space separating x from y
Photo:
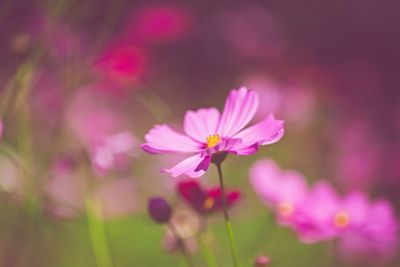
x=208 y=133
x=294 y=103
x=253 y=32
x=363 y=228
x=111 y=152
x=11 y=179
x=66 y=189
x=117 y=198
x=359 y=155
x=60 y=40
x=281 y=190
x=123 y=64
x=160 y=24
x=102 y=130
x=205 y=200
x=376 y=235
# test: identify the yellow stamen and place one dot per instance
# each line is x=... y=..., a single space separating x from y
x=285 y=209
x=213 y=140
x=342 y=219
x=208 y=203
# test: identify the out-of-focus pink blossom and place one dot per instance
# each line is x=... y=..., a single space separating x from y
x=117 y=198
x=102 y=130
x=11 y=179
x=66 y=190
x=159 y=24
x=123 y=64
x=208 y=133
x=253 y=32
x=294 y=103
x=359 y=155
x=282 y=190
x=205 y=200
x=60 y=40
x=111 y=152
x=376 y=233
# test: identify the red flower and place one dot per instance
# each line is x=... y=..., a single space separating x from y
x=205 y=201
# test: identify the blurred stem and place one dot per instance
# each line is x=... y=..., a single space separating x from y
x=228 y=225
x=98 y=233
x=181 y=245
x=206 y=250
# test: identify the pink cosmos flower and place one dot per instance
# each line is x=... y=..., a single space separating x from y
x=282 y=190
x=207 y=133
x=158 y=24
x=112 y=151
x=376 y=232
x=123 y=63
x=205 y=200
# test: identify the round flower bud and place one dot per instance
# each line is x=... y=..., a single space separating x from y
x=159 y=210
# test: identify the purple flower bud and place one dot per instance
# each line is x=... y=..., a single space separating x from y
x=262 y=261
x=159 y=209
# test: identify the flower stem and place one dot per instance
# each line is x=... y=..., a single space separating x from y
x=182 y=247
x=98 y=234
x=228 y=225
x=207 y=252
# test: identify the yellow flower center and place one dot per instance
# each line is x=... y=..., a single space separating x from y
x=341 y=219
x=213 y=140
x=208 y=203
x=285 y=209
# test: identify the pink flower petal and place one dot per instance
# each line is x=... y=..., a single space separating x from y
x=162 y=139
x=266 y=132
x=240 y=107
x=201 y=123
x=193 y=166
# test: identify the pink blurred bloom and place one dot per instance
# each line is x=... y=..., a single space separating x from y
x=376 y=233
x=281 y=190
x=65 y=189
x=111 y=151
x=117 y=198
x=11 y=179
x=208 y=133
x=123 y=64
x=102 y=131
x=253 y=32
x=360 y=155
x=160 y=24
x=294 y=103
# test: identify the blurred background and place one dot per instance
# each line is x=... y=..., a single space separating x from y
x=82 y=81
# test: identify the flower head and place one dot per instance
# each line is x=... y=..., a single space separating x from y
x=282 y=190
x=205 y=201
x=159 y=210
x=207 y=133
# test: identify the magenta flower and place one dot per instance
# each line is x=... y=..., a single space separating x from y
x=205 y=200
x=281 y=190
x=122 y=63
x=207 y=133
x=376 y=232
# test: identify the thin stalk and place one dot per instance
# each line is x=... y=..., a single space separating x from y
x=98 y=234
x=207 y=252
x=228 y=225
x=182 y=247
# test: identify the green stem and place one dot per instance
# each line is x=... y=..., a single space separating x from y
x=207 y=252
x=97 y=233
x=182 y=247
x=228 y=225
